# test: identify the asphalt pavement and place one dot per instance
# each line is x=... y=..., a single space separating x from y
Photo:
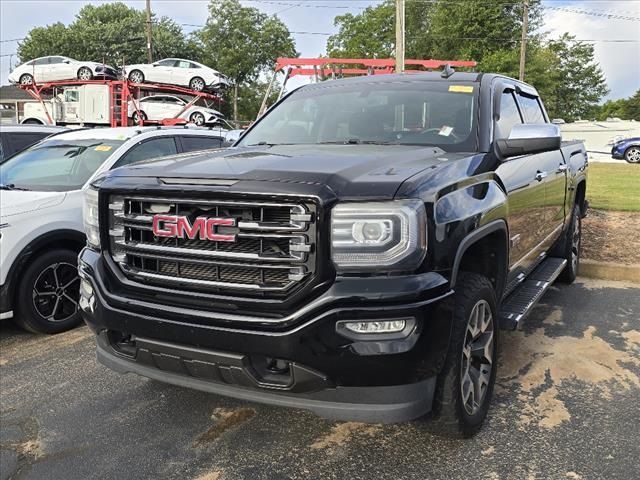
x=566 y=407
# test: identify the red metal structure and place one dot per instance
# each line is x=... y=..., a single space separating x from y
x=323 y=68
x=121 y=92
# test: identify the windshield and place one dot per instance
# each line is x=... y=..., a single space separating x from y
x=395 y=112
x=56 y=165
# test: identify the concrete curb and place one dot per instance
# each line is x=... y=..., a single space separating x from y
x=610 y=271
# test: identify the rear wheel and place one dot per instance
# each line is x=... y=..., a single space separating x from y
x=137 y=117
x=85 y=73
x=136 y=76
x=48 y=293
x=465 y=385
x=26 y=79
x=632 y=155
x=197 y=118
x=571 y=247
x=197 y=84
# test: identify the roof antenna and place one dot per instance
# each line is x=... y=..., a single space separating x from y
x=447 y=71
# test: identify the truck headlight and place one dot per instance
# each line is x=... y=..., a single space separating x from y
x=378 y=236
x=91 y=220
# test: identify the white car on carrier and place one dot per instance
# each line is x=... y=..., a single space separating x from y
x=54 y=68
x=177 y=71
x=41 y=226
x=159 y=107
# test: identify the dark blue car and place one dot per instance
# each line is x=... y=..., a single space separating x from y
x=627 y=149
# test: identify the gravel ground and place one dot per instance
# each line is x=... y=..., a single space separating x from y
x=566 y=406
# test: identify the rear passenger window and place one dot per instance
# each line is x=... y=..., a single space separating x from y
x=509 y=115
x=157 y=147
x=192 y=144
x=531 y=109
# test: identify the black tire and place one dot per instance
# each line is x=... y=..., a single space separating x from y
x=84 y=73
x=26 y=79
x=135 y=117
x=197 y=84
x=570 y=247
x=197 y=118
x=54 y=275
x=136 y=76
x=32 y=122
x=455 y=415
x=632 y=154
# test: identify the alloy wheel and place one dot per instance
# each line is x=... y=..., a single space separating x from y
x=198 y=119
x=197 y=84
x=575 y=244
x=633 y=155
x=136 y=77
x=84 y=74
x=26 y=80
x=56 y=292
x=477 y=357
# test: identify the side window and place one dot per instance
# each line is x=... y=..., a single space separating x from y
x=54 y=60
x=156 y=147
x=193 y=65
x=193 y=144
x=41 y=61
x=167 y=63
x=71 y=95
x=183 y=64
x=509 y=115
x=531 y=109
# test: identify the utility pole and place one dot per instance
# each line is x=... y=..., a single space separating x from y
x=149 y=46
x=523 y=41
x=399 y=36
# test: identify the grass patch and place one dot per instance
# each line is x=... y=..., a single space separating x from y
x=614 y=187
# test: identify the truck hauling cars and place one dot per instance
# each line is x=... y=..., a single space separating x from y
x=355 y=253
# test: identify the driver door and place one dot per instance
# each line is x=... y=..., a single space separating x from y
x=59 y=70
x=162 y=71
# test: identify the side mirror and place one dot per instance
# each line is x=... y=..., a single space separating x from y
x=66 y=61
x=528 y=139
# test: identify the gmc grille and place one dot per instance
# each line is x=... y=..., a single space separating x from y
x=273 y=250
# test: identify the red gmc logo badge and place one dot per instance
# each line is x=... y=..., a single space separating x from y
x=203 y=228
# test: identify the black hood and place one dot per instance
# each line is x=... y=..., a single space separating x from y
x=348 y=170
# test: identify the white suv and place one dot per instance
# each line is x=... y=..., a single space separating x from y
x=41 y=228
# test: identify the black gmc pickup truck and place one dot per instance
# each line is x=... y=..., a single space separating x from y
x=355 y=253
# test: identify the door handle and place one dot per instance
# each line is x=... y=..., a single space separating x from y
x=562 y=168
x=541 y=176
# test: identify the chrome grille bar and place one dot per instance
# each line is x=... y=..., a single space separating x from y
x=273 y=249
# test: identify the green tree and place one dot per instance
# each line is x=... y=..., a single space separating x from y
x=242 y=42
x=624 y=108
x=580 y=81
x=460 y=30
x=113 y=33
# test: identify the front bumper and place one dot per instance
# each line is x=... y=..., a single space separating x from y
x=5 y=302
x=617 y=153
x=334 y=376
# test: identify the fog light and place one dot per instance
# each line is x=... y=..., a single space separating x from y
x=86 y=290
x=378 y=326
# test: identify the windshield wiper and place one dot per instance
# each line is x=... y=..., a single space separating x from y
x=357 y=141
x=11 y=186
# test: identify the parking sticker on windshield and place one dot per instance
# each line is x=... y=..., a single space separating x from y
x=461 y=88
x=103 y=148
x=445 y=131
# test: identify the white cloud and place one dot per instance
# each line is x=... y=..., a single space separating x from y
x=619 y=61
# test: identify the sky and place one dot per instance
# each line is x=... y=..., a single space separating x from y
x=619 y=60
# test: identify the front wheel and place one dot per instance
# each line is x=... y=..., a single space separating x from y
x=26 y=79
x=465 y=385
x=48 y=293
x=85 y=73
x=632 y=155
x=197 y=118
x=197 y=84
